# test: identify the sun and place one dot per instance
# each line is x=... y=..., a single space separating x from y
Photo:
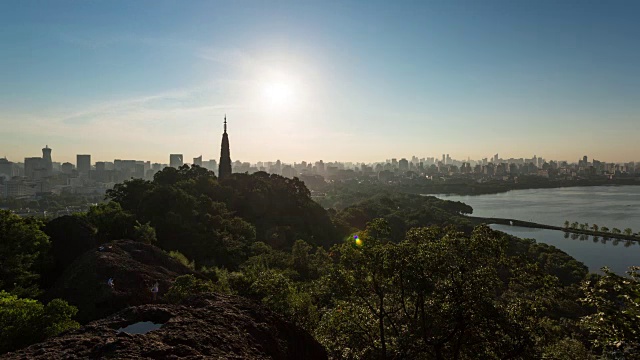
x=279 y=94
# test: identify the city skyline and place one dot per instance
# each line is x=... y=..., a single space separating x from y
x=179 y=159
x=335 y=81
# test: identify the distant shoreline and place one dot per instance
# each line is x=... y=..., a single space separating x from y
x=528 y=224
x=498 y=188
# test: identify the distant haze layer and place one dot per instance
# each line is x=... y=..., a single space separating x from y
x=346 y=81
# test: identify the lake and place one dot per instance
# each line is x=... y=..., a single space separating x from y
x=610 y=206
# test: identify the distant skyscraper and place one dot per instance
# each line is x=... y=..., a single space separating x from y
x=403 y=164
x=175 y=160
x=224 y=168
x=83 y=164
x=198 y=161
x=46 y=160
x=101 y=166
x=31 y=166
x=6 y=168
x=67 y=168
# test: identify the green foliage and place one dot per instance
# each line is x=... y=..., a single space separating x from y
x=26 y=321
x=144 y=233
x=187 y=209
x=440 y=294
x=182 y=259
x=615 y=324
x=278 y=291
x=220 y=278
x=281 y=209
x=112 y=222
x=71 y=236
x=301 y=257
x=628 y=231
x=402 y=212
x=345 y=329
x=23 y=254
x=568 y=349
x=548 y=259
x=187 y=285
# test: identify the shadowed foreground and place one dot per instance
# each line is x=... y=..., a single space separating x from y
x=211 y=326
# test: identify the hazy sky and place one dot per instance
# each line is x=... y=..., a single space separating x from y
x=308 y=80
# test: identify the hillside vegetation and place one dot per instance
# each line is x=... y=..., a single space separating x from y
x=384 y=275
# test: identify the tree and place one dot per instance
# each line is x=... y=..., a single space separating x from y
x=71 y=236
x=616 y=231
x=131 y=193
x=594 y=227
x=433 y=295
x=144 y=233
x=614 y=326
x=566 y=224
x=26 y=321
x=363 y=278
x=574 y=225
x=628 y=231
x=301 y=257
x=23 y=254
x=604 y=229
x=187 y=285
x=112 y=221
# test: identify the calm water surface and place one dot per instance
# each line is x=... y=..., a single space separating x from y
x=618 y=255
x=611 y=206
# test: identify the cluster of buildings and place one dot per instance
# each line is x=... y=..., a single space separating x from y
x=38 y=176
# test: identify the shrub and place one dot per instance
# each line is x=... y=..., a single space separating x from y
x=182 y=259
x=26 y=321
x=187 y=285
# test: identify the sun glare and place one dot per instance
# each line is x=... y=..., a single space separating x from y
x=279 y=94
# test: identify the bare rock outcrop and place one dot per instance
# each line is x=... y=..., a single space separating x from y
x=209 y=326
x=134 y=267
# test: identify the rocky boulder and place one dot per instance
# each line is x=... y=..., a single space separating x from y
x=208 y=326
x=134 y=267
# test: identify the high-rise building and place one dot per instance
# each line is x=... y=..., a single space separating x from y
x=83 y=164
x=67 y=168
x=7 y=169
x=175 y=160
x=31 y=166
x=46 y=160
x=224 y=168
x=198 y=161
x=101 y=166
x=403 y=164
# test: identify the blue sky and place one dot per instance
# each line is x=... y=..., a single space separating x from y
x=358 y=81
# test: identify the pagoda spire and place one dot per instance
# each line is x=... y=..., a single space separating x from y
x=224 y=167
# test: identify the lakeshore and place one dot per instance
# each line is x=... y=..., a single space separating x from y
x=528 y=224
